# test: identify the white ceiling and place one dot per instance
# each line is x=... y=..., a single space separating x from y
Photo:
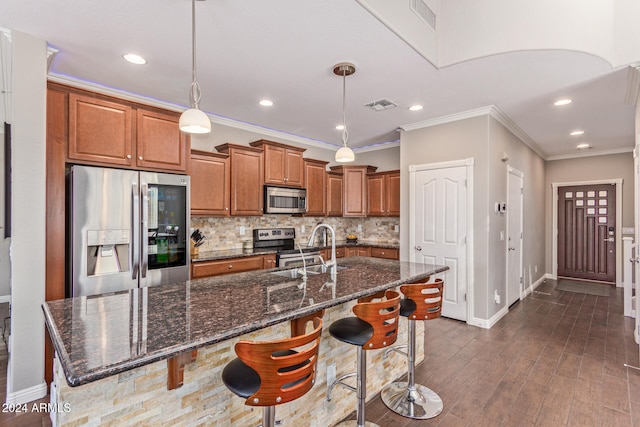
x=285 y=50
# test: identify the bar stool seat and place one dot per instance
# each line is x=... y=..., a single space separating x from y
x=376 y=326
x=271 y=373
x=423 y=302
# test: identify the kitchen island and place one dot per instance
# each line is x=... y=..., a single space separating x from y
x=115 y=352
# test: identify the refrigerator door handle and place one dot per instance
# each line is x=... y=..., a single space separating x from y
x=135 y=231
x=144 y=189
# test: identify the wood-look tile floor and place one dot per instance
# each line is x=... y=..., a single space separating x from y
x=556 y=359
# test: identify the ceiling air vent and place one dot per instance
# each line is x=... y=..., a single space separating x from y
x=381 y=104
x=420 y=8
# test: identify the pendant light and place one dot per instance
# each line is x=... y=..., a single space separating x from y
x=344 y=154
x=194 y=120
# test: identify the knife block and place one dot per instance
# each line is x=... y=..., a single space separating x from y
x=194 y=250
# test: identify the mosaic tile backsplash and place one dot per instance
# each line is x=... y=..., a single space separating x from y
x=224 y=233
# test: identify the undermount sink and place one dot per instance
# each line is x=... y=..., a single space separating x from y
x=312 y=269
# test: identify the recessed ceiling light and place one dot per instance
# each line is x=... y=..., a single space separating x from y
x=266 y=103
x=416 y=107
x=135 y=59
x=339 y=127
x=583 y=146
x=576 y=132
x=564 y=101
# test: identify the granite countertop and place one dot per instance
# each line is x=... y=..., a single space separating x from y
x=239 y=252
x=99 y=336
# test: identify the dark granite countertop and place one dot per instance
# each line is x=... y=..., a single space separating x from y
x=239 y=252
x=99 y=336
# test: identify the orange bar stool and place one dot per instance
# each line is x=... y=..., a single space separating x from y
x=271 y=373
x=376 y=326
x=423 y=301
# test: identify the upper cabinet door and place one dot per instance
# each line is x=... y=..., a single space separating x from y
x=247 y=179
x=210 y=184
x=99 y=131
x=159 y=142
x=384 y=194
x=283 y=164
x=315 y=172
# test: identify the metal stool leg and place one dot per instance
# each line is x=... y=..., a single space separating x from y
x=361 y=393
x=409 y=399
x=268 y=416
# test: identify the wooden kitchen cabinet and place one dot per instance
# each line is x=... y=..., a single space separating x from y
x=247 y=179
x=334 y=194
x=269 y=261
x=341 y=252
x=315 y=178
x=354 y=188
x=357 y=251
x=226 y=266
x=210 y=183
x=100 y=131
x=385 y=253
x=110 y=132
x=283 y=164
x=383 y=189
x=159 y=142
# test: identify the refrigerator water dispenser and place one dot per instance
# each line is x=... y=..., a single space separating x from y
x=107 y=251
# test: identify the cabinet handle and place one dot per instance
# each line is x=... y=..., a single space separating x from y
x=230 y=266
x=139 y=157
x=128 y=156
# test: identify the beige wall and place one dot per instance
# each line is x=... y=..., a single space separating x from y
x=595 y=168
x=484 y=139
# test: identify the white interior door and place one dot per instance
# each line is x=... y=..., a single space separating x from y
x=438 y=229
x=515 y=185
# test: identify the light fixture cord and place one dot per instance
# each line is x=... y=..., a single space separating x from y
x=345 y=133
x=195 y=87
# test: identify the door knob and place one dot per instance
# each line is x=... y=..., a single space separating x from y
x=418 y=248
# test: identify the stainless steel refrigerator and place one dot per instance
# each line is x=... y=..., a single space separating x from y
x=126 y=229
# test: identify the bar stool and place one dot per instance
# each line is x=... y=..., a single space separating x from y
x=423 y=301
x=271 y=373
x=376 y=326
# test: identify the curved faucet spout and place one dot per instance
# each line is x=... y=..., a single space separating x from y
x=332 y=263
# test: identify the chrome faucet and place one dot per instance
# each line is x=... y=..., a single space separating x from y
x=332 y=264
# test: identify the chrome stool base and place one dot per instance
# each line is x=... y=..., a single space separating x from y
x=420 y=403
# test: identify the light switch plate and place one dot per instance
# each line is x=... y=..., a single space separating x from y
x=241 y=230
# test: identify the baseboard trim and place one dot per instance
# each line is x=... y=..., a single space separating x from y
x=488 y=323
x=533 y=287
x=5 y=298
x=28 y=394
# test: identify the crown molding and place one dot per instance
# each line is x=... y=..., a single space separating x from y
x=590 y=153
x=490 y=110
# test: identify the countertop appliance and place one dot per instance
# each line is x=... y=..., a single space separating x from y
x=282 y=240
x=126 y=229
x=284 y=200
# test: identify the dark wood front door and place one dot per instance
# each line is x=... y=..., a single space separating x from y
x=586 y=232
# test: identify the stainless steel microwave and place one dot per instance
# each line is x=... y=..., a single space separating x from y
x=284 y=200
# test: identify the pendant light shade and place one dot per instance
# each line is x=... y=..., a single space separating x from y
x=194 y=120
x=344 y=154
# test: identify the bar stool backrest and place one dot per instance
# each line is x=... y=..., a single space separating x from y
x=287 y=367
x=427 y=298
x=383 y=317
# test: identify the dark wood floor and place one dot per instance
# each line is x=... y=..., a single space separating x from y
x=557 y=359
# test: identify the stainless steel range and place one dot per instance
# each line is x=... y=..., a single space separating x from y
x=283 y=240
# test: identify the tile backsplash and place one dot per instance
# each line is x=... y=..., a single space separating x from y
x=224 y=233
